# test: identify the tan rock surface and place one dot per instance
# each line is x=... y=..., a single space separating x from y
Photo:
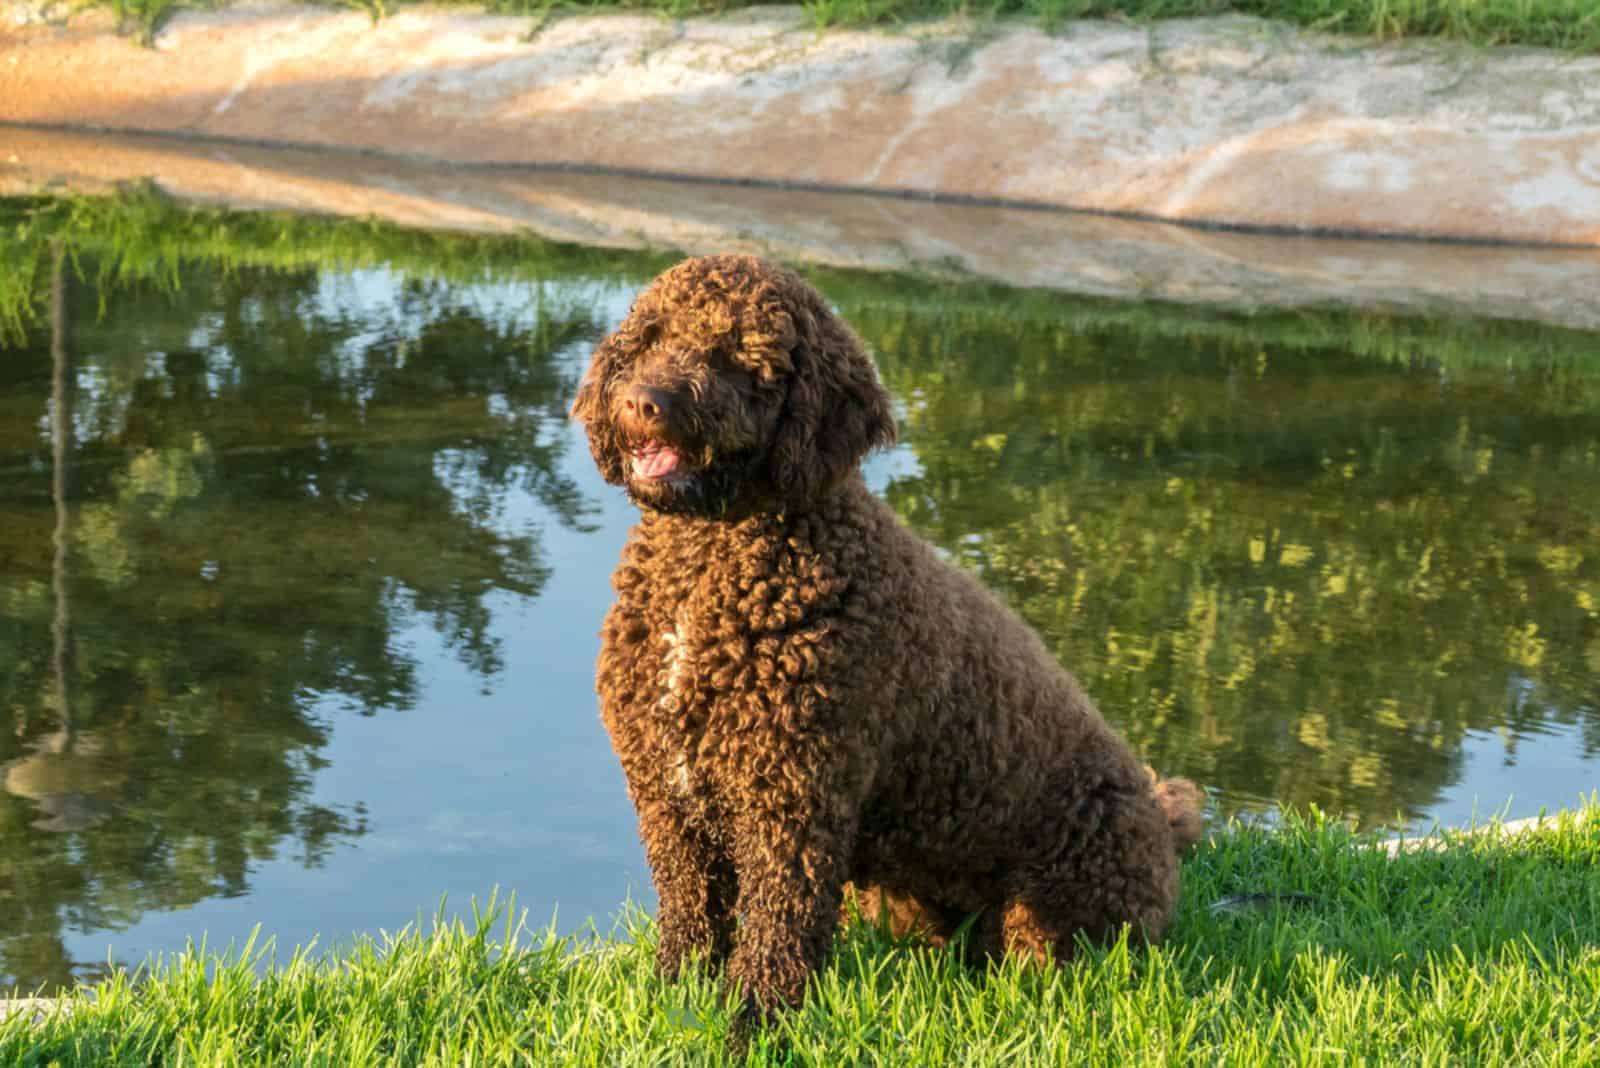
x=1228 y=121
x=1028 y=248
x=36 y=1009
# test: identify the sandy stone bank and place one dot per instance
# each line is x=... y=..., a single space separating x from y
x=1230 y=121
x=1033 y=249
x=36 y=1009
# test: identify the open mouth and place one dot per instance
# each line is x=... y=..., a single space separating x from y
x=655 y=461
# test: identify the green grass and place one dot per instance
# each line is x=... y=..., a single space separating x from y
x=1570 y=25
x=1480 y=953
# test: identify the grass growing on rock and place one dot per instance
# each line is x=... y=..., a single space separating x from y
x=1565 y=24
x=1300 y=944
x=1570 y=25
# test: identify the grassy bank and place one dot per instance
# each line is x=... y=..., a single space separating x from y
x=1298 y=945
x=1572 y=25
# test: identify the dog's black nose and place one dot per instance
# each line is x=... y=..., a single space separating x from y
x=646 y=402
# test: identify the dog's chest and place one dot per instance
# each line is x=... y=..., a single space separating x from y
x=680 y=706
x=719 y=630
x=685 y=708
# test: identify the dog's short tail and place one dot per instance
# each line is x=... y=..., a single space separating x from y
x=1182 y=801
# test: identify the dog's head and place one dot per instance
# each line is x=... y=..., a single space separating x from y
x=731 y=387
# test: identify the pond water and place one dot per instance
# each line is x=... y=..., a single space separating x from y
x=302 y=565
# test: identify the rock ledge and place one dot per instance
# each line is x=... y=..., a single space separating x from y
x=1229 y=122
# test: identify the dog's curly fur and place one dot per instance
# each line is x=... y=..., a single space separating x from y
x=804 y=696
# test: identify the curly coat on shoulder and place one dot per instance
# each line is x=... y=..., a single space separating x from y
x=804 y=696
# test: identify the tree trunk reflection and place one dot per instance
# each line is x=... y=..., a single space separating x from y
x=62 y=390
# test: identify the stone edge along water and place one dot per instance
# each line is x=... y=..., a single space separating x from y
x=1228 y=121
x=1051 y=250
x=38 y=1008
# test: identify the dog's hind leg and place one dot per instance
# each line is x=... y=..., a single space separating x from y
x=902 y=913
x=1123 y=871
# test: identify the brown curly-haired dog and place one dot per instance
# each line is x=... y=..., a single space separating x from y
x=804 y=695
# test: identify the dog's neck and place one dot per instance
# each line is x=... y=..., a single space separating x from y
x=760 y=517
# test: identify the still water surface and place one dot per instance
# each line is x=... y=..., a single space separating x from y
x=298 y=610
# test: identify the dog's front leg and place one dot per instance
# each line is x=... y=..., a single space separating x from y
x=790 y=861
x=695 y=884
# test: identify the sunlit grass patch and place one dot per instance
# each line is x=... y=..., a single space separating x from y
x=1299 y=944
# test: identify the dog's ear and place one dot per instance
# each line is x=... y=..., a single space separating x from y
x=592 y=408
x=836 y=411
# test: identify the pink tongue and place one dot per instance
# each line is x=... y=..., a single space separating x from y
x=656 y=464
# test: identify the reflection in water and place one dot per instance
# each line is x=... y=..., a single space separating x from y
x=1298 y=574
x=266 y=494
x=1301 y=558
